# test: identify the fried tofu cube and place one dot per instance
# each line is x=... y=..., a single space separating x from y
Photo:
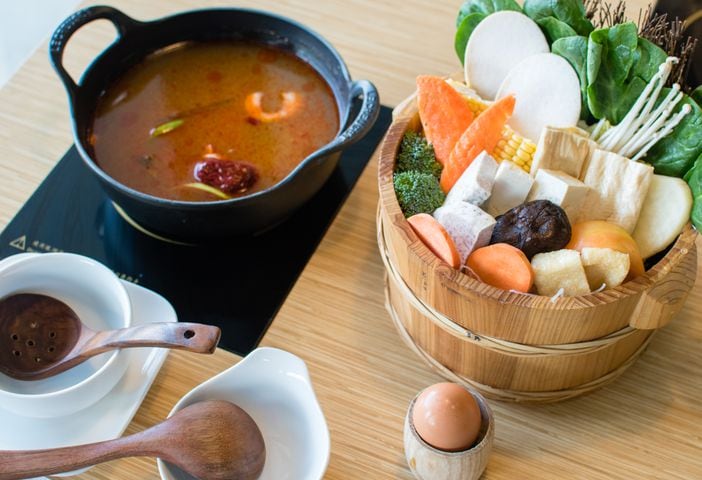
x=604 y=266
x=559 y=269
x=565 y=149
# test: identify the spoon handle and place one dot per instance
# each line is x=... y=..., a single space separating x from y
x=193 y=337
x=15 y=465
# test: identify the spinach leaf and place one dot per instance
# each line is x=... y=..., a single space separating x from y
x=465 y=29
x=697 y=95
x=647 y=58
x=694 y=179
x=486 y=7
x=555 y=29
x=619 y=65
x=676 y=153
x=574 y=50
x=570 y=12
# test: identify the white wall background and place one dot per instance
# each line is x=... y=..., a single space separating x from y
x=24 y=25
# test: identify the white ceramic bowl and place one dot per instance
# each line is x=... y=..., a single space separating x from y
x=274 y=387
x=98 y=297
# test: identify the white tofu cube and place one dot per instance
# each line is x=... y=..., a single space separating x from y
x=468 y=226
x=618 y=189
x=559 y=269
x=511 y=188
x=565 y=191
x=475 y=184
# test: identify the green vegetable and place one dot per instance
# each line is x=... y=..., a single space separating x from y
x=619 y=65
x=696 y=95
x=555 y=29
x=574 y=50
x=416 y=154
x=209 y=189
x=465 y=30
x=559 y=18
x=418 y=192
x=694 y=179
x=485 y=7
x=166 y=127
x=676 y=153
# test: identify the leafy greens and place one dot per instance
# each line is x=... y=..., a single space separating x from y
x=485 y=7
x=619 y=65
x=574 y=50
x=675 y=154
x=694 y=180
x=559 y=18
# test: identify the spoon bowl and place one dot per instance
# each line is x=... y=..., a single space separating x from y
x=40 y=336
x=274 y=387
x=100 y=299
x=211 y=440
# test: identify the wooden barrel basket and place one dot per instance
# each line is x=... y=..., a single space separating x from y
x=514 y=346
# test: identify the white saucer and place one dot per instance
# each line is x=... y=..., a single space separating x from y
x=110 y=416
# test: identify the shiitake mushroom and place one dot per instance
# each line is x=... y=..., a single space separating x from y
x=533 y=227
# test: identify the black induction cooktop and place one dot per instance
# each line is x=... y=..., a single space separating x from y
x=238 y=284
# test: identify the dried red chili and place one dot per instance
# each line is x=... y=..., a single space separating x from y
x=229 y=176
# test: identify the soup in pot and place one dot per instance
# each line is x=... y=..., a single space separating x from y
x=212 y=121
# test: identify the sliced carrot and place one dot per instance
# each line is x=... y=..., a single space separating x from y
x=482 y=134
x=435 y=238
x=503 y=266
x=444 y=113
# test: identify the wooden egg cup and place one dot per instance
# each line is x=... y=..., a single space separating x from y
x=429 y=463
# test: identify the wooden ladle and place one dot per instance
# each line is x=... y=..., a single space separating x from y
x=41 y=336
x=211 y=440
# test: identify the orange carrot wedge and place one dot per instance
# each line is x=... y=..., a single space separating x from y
x=482 y=134
x=444 y=113
x=503 y=266
x=435 y=238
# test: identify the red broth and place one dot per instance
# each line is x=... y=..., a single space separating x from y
x=200 y=102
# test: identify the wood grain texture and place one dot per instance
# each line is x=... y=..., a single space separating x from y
x=429 y=297
x=643 y=426
x=43 y=337
x=518 y=317
x=211 y=440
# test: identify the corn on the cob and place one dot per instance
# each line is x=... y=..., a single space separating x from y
x=512 y=146
x=516 y=148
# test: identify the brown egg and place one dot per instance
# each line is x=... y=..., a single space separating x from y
x=447 y=417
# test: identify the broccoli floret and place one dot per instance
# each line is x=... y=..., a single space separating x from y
x=416 y=154
x=418 y=192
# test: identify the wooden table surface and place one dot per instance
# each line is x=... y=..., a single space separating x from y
x=646 y=425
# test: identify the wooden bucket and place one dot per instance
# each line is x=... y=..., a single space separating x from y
x=509 y=345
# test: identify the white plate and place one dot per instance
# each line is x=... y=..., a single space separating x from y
x=274 y=387
x=109 y=417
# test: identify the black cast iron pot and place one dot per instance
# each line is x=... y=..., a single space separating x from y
x=201 y=221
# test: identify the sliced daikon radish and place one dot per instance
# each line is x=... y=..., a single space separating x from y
x=547 y=90
x=498 y=44
x=665 y=211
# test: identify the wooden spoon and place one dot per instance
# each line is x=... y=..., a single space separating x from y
x=41 y=336
x=211 y=440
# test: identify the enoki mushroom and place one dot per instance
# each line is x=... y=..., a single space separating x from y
x=643 y=126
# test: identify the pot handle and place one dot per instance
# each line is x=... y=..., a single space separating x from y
x=664 y=299
x=364 y=120
x=69 y=26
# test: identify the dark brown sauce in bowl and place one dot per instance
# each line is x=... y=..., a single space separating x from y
x=209 y=121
